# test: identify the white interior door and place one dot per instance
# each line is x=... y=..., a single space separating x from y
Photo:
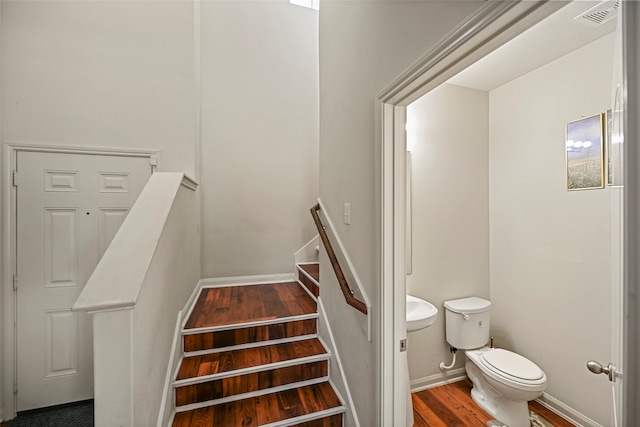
x=69 y=207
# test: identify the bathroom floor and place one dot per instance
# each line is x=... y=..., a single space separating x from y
x=451 y=405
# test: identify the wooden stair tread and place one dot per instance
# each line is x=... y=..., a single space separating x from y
x=227 y=361
x=208 y=390
x=312 y=269
x=265 y=409
x=253 y=334
x=233 y=305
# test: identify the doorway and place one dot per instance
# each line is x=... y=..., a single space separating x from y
x=394 y=110
x=68 y=207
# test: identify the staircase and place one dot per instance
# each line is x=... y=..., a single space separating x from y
x=252 y=357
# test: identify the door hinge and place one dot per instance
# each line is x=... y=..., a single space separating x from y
x=15 y=178
x=403 y=345
x=15 y=282
x=15 y=385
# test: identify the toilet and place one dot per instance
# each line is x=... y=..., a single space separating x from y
x=503 y=381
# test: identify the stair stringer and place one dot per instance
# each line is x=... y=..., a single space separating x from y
x=167 y=409
x=336 y=371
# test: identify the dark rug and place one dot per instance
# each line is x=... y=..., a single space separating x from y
x=77 y=414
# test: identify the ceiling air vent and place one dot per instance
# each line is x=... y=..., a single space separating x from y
x=600 y=13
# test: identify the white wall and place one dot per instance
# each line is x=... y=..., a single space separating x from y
x=448 y=136
x=550 y=248
x=100 y=74
x=259 y=134
x=364 y=46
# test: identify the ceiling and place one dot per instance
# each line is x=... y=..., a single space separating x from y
x=554 y=37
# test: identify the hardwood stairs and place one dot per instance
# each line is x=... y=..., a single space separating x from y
x=252 y=357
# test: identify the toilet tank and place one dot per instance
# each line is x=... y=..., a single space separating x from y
x=467 y=322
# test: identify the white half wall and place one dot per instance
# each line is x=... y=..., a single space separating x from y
x=551 y=248
x=259 y=134
x=448 y=136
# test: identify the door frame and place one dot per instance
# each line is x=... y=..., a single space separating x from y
x=492 y=25
x=9 y=259
x=630 y=317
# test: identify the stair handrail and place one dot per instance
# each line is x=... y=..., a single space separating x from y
x=342 y=281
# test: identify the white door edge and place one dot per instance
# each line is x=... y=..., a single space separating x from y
x=8 y=237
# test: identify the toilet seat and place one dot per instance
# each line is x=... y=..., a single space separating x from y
x=513 y=368
x=512 y=364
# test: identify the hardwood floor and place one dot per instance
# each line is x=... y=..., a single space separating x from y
x=225 y=361
x=251 y=334
x=252 y=357
x=313 y=269
x=266 y=409
x=309 y=276
x=241 y=304
x=216 y=365
x=451 y=405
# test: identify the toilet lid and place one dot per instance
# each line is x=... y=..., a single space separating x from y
x=512 y=364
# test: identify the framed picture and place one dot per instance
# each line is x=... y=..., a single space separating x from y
x=585 y=154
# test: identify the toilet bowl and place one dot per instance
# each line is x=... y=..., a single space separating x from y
x=503 y=381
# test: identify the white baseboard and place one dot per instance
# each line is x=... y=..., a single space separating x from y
x=215 y=282
x=565 y=411
x=191 y=302
x=166 y=412
x=436 y=380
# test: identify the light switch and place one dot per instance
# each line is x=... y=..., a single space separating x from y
x=347 y=213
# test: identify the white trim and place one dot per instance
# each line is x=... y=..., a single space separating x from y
x=167 y=403
x=566 y=412
x=307 y=275
x=307 y=417
x=308 y=291
x=253 y=369
x=630 y=17
x=189 y=182
x=250 y=345
x=69 y=149
x=333 y=349
x=490 y=26
x=235 y=397
x=221 y=282
x=287 y=319
x=8 y=237
x=336 y=391
x=191 y=303
x=437 y=380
